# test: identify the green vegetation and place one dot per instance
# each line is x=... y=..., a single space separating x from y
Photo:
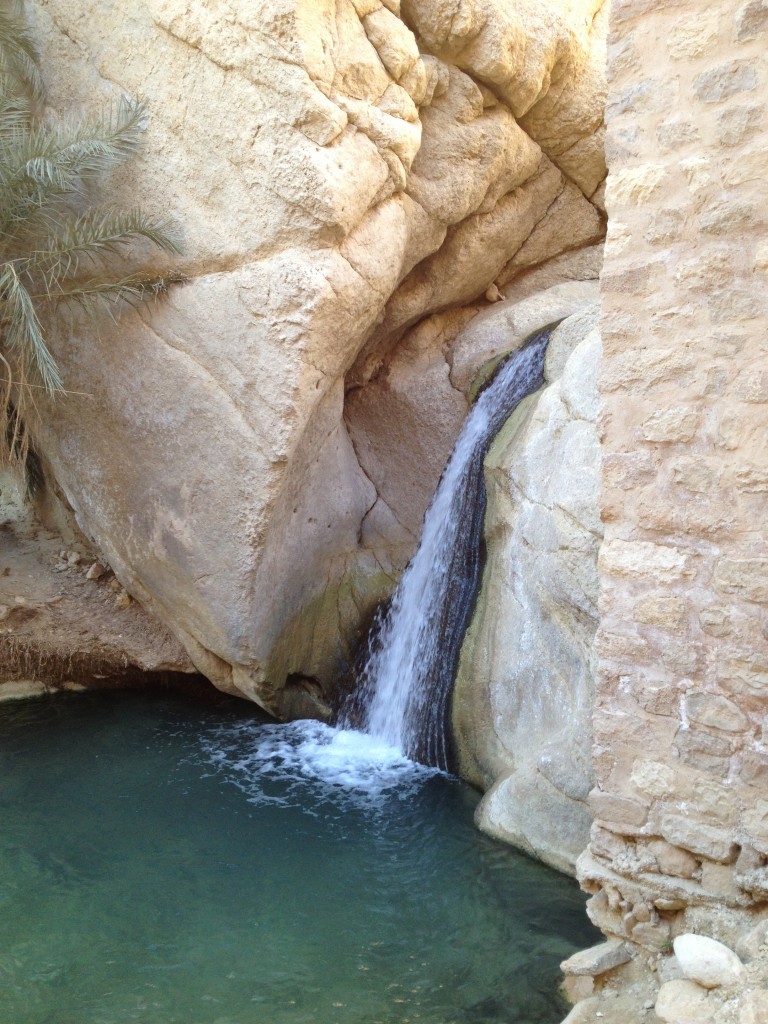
x=57 y=244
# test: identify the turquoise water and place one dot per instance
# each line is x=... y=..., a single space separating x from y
x=170 y=861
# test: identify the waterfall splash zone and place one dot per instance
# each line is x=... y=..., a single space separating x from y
x=168 y=862
x=403 y=694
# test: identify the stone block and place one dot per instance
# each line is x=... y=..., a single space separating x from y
x=730 y=431
x=683 y=1001
x=642 y=559
x=578 y=987
x=716 y=621
x=752 y=385
x=617 y=809
x=718 y=83
x=651 y=935
x=754 y=768
x=738 y=124
x=747 y=577
x=656 y=696
x=672 y=860
x=752 y=943
x=751 y=20
x=693 y=37
x=700 y=173
x=743 y=675
x=751 y=165
x=621 y=647
x=680 y=656
x=628 y=470
x=598 y=959
x=636 y=185
x=719 y=880
x=680 y=829
x=671 y=425
x=653 y=778
x=751 y=479
x=708 y=962
x=726 y=216
x=715 y=711
x=708 y=743
x=736 y=304
x=665 y=226
x=671 y=135
x=755 y=821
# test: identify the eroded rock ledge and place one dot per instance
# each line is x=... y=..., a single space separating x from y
x=351 y=178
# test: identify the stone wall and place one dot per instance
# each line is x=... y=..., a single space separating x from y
x=680 y=837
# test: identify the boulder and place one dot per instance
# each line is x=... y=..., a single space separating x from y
x=683 y=1002
x=707 y=961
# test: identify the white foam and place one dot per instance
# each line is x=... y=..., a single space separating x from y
x=308 y=763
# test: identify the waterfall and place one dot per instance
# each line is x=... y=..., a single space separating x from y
x=403 y=691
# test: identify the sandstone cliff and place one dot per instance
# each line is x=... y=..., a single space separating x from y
x=350 y=179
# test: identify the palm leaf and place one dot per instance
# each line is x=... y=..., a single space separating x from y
x=92 y=235
x=19 y=60
x=93 y=147
x=22 y=333
x=15 y=116
x=109 y=296
x=47 y=237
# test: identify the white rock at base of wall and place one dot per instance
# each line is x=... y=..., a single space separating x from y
x=707 y=961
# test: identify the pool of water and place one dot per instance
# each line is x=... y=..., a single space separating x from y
x=169 y=861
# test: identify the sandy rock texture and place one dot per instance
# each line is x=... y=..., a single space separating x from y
x=65 y=621
x=523 y=700
x=350 y=179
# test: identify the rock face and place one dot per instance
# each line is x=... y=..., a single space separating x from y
x=340 y=171
x=524 y=693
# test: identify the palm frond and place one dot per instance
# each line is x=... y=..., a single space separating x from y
x=19 y=60
x=42 y=164
x=94 y=146
x=93 y=235
x=22 y=333
x=109 y=296
x=15 y=116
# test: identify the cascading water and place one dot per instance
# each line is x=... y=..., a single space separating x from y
x=402 y=697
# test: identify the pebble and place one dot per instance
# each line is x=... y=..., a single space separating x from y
x=95 y=572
